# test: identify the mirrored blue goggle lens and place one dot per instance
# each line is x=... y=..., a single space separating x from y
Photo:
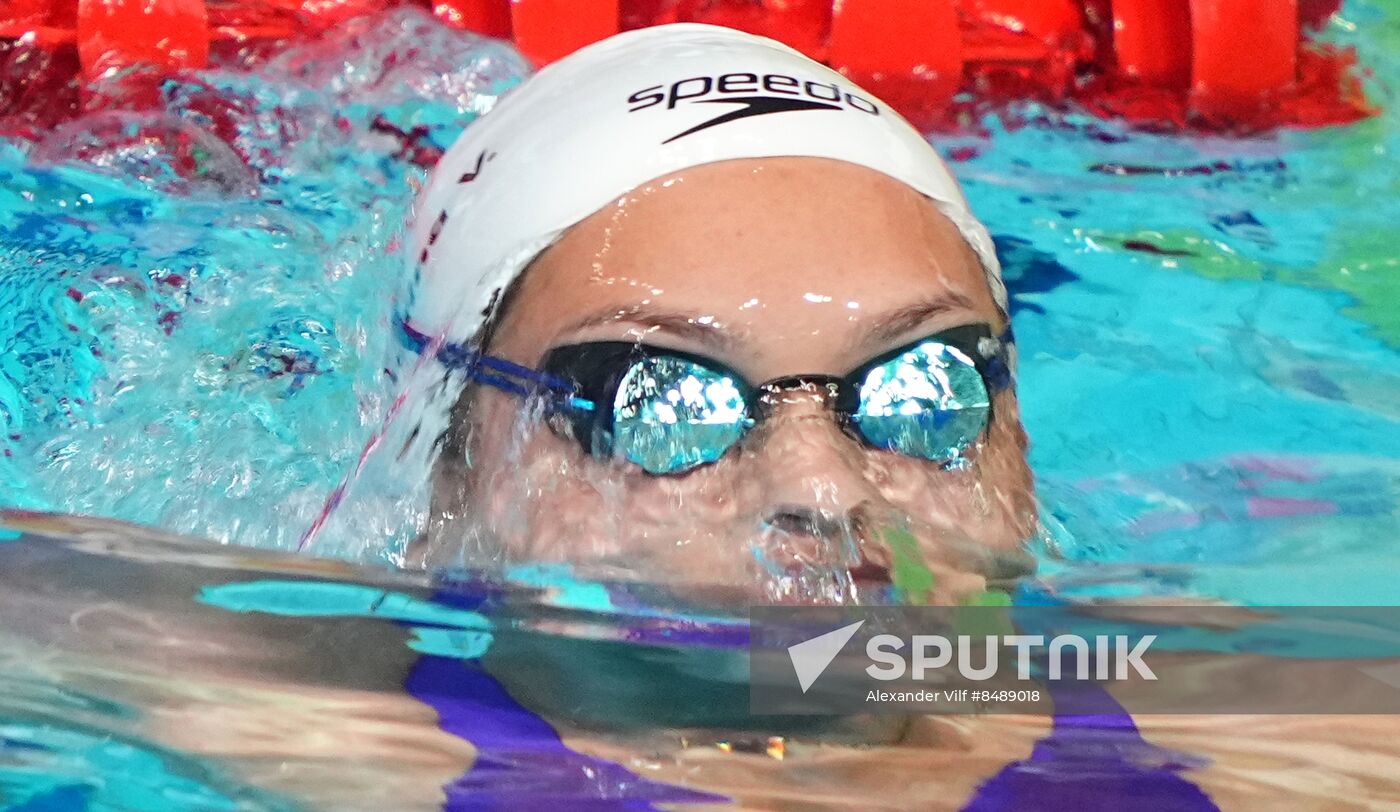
x=671 y=414
x=928 y=402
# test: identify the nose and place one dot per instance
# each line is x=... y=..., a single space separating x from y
x=806 y=461
x=815 y=491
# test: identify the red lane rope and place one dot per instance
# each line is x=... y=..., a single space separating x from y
x=1156 y=63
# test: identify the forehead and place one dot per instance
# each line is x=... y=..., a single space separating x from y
x=769 y=250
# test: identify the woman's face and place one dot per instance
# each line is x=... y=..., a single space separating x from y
x=774 y=267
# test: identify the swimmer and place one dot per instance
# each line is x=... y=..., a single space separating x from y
x=710 y=313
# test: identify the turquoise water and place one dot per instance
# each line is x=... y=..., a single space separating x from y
x=185 y=346
x=197 y=328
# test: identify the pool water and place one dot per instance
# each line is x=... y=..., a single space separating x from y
x=149 y=672
x=196 y=299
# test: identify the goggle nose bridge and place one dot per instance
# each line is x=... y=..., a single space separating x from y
x=772 y=394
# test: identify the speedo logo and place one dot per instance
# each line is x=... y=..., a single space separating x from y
x=749 y=94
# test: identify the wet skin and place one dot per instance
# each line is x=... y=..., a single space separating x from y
x=773 y=267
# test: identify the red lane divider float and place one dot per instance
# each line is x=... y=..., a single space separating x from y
x=910 y=49
x=546 y=30
x=1160 y=64
x=169 y=34
x=1147 y=37
x=489 y=17
x=1225 y=74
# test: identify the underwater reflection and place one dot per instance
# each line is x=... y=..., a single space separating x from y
x=144 y=668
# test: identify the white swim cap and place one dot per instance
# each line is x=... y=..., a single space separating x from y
x=591 y=127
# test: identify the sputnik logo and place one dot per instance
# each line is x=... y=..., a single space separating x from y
x=811 y=657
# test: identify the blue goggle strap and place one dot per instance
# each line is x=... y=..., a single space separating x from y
x=496 y=372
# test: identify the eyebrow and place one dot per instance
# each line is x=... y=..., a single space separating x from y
x=705 y=330
x=698 y=327
x=898 y=322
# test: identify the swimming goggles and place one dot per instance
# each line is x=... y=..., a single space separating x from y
x=670 y=411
